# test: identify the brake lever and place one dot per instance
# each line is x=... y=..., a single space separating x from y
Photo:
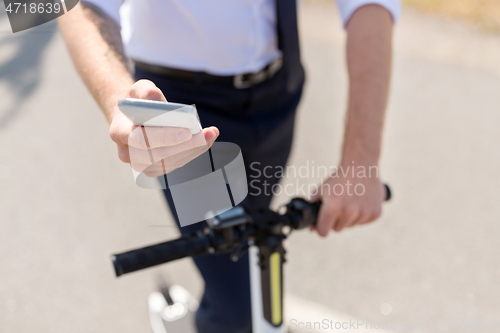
x=240 y=251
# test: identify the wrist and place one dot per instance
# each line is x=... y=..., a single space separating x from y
x=359 y=156
x=347 y=161
x=111 y=114
x=110 y=109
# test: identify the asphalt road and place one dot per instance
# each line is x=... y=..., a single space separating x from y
x=67 y=202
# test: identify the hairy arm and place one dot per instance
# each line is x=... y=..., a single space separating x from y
x=95 y=44
x=369 y=53
x=94 y=41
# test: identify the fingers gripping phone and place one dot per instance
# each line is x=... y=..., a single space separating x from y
x=160 y=114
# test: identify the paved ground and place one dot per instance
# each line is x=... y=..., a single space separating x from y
x=66 y=202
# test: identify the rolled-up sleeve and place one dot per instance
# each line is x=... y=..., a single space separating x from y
x=110 y=7
x=348 y=7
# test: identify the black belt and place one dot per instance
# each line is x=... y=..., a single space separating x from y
x=240 y=81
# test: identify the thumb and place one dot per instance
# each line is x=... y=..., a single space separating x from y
x=315 y=194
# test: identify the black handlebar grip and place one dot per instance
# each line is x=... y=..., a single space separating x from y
x=153 y=255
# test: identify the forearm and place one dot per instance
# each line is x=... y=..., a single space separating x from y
x=94 y=42
x=369 y=53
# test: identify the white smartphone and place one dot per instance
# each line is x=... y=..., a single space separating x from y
x=160 y=114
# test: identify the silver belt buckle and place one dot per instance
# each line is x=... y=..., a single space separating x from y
x=275 y=66
x=239 y=83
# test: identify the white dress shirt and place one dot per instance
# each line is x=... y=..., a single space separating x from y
x=221 y=37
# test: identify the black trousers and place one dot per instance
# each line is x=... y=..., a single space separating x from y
x=260 y=120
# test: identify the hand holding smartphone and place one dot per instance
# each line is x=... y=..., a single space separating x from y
x=160 y=114
x=168 y=135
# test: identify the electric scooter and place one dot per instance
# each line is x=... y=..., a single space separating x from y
x=237 y=230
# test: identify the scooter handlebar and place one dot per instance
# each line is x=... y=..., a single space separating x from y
x=186 y=246
x=153 y=255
